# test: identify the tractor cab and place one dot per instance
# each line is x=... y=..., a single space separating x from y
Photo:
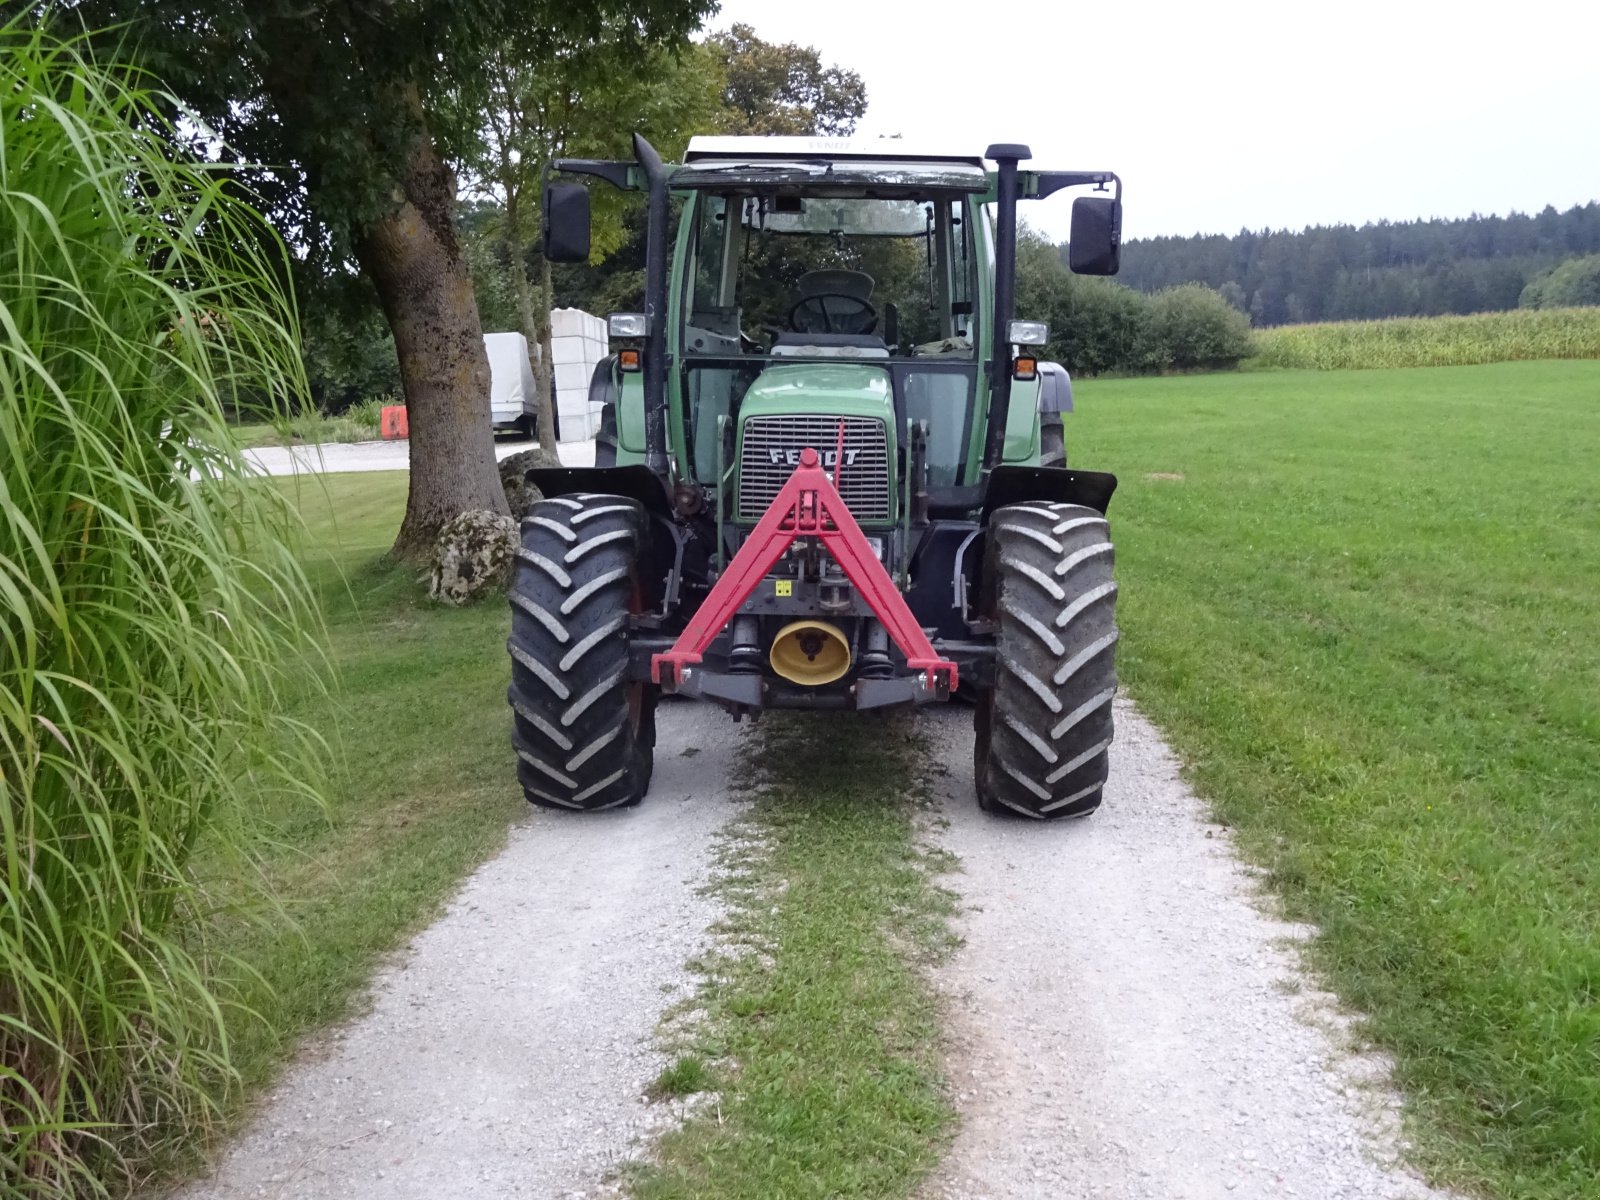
x=851 y=285
x=829 y=458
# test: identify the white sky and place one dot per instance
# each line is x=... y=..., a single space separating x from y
x=1220 y=114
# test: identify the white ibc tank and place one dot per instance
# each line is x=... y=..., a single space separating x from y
x=577 y=342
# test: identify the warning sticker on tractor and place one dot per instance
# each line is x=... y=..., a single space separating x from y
x=783 y=587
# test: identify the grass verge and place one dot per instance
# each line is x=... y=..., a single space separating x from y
x=1363 y=607
x=358 y=423
x=1518 y=335
x=424 y=793
x=819 y=1033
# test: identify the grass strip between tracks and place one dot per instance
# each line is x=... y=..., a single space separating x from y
x=819 y=1037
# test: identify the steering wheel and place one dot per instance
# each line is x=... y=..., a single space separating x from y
x=804 y=316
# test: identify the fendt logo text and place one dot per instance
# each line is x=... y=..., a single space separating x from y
x=778 y=457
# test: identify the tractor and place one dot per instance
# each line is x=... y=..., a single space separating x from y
x=830 y=473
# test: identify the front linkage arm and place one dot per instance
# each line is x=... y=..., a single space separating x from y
x=807 y=506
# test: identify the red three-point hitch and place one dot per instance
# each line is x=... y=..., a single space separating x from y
x=807 y=506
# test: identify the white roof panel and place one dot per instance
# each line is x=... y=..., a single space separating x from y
x=792 y=148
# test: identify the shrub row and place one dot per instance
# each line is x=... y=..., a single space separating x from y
x=1098 y=326
x=1576 y=281
x=1432 y=341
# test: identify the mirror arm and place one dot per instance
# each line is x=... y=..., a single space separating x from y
x=618 y=174
x=1047 y=183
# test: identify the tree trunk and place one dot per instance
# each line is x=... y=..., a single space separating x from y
x=537 y=332
x=413 y=257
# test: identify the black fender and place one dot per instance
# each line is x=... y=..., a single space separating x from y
x=1062 y=485
x=637 y=482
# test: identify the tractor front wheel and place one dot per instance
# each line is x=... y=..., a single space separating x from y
x=584 y=732
x=1044 y=729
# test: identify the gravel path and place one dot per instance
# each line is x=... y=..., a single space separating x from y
x=505 y=1056
x=385 y=456
x=1128 y=1024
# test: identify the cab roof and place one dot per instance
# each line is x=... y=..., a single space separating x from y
x=792 y=149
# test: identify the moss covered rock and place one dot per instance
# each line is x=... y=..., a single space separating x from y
x=473 y=556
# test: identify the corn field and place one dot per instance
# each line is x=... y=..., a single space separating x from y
x=1432 y=341
x=150 y=608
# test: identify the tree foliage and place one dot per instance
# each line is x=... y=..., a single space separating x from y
x=576 y=103
x=784 y=88
x=365 y=107
x=1099 y=326
x=1387 y=269
x=765 y=88
x=1574 y=283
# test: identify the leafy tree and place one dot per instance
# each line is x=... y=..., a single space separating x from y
x=363 y=105
x=804 y=97
x=1574 y=282
x=575 y=103
x=784 y=88
x=345 y=342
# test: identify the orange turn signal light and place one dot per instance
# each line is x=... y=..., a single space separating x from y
x=628 y=360
x=1025 y=367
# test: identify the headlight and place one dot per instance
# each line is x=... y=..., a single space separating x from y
x=1028 y=333
x=628 y=325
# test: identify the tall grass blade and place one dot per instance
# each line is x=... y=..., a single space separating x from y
x=150 y=609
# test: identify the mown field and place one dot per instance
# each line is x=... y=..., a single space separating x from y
x=1364 y=607
x=1515 y=336
x=1360 y=603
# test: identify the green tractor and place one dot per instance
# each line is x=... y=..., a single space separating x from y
x=831 y=472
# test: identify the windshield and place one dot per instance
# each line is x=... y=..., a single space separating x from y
x=771 y=267
x=845 y=215
x=774 y=275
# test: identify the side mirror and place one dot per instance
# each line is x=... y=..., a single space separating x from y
x=1095 y=244
x=566 y=222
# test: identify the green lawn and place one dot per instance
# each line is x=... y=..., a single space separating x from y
x=424 y=791
x=1367 y=611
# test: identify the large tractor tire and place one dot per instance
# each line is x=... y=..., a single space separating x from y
x=1044 y=731
x=583 y=732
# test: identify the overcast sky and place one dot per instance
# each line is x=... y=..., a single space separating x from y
x=1233 y=113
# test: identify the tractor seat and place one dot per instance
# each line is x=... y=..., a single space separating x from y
x=829 y=345
x=834 y=281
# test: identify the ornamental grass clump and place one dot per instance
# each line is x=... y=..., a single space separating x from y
x=151 y=611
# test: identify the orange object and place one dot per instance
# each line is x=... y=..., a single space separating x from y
x=392 y=424
x=628 y=360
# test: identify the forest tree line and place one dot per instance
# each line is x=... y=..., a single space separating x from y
x=1385 y=269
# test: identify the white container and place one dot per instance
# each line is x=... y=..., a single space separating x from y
x=577 y=342
x=511 y=386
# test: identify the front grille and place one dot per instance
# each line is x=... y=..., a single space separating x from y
x=772 y=448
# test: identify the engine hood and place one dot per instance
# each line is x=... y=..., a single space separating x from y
x=853 y=389
x=826 y=407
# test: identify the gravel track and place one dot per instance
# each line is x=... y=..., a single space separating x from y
x=1128 y=1023
x=330 y=457
x=506 y=1053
